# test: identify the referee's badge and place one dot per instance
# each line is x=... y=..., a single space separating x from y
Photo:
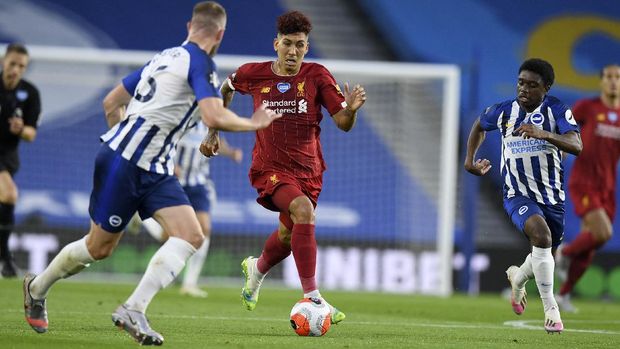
x=21 y=95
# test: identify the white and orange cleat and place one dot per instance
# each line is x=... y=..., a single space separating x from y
x=518 y=296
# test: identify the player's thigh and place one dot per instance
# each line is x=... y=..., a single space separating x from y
x=521 y=211
x=181 y=222
x=100 y=242
x=8 y=189
x=598 y=223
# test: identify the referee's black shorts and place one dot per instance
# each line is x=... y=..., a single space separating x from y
x=9 y=162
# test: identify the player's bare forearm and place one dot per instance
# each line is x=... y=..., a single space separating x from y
x=345 y=119
x=475 y=139
x=227 y=93
x=114 y=104
x=569 y=142
x=215 y=116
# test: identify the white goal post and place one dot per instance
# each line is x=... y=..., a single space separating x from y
x=413 y=109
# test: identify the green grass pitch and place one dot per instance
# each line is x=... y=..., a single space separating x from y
x=79 y=316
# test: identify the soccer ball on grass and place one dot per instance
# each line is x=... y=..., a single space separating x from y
x=311 y=317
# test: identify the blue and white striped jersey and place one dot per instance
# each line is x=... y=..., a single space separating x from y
x=531 y=167
x=164 y=106
x=192 y=167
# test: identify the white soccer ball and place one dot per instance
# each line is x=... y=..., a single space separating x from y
x=311 y=317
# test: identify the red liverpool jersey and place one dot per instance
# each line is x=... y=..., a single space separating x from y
x=290 y=144
x=595 y=167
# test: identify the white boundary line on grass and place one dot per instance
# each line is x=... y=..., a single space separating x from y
x=507 y=325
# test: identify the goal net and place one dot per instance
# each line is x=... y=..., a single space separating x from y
x=385 y=218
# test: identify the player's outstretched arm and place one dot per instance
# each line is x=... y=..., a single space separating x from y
x=476 y=136
x=114 y=104
x=345 y=118
x=216 y=116
x=569 y=142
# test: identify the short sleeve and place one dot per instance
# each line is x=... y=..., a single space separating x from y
x=130 y=82
x=32 y=108
x=489 y=117
x=238 y=81
x=565 y=120
x=202 y=75
x=331 y=96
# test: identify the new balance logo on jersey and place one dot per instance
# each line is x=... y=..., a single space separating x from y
x=302 y=107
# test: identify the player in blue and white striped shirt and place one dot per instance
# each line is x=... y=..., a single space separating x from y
x=536 y=129
x=133 y=171
x=192 y=170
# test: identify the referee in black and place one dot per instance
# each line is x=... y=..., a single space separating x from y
x=20 y=107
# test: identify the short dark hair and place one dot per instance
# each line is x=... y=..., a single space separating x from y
x=294 y=22
x=540 y=67
x=17 y=48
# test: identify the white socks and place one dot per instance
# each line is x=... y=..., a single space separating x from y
x=194 y=265
x=313 y=294
x=163 y=268
x=69 y=261
x=153 y=228
x=542 y=265
x=525 y=272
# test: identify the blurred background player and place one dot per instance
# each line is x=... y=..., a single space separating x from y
x=592 y=182
x=134 y=169
x=192 y=170
x=535 y=129
x=20 y=107
x=287 y=161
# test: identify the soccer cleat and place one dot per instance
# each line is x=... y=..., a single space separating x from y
x=193 y=291
x=336 y=315
x=562 y=264
x=518 y=296
x=34 y=309
x=137 y=325
x=251 y=288
x=553 y=322
x=565 y=304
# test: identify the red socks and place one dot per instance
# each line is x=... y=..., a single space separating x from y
x=274 y=252
x=303 y=245
x=578 y=266
x=583 y=243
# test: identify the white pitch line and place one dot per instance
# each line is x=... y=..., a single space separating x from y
x=507 y=325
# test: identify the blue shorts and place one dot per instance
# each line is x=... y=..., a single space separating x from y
x=520 y=208
x=120 y=188
x=202 y=197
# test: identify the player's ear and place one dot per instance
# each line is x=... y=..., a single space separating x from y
x=219 y=36
x=189 y=26
x=275 y=44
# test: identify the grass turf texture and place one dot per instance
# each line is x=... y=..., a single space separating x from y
x=79 y=316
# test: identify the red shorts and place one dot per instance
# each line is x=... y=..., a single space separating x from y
x=587 y=199
x=266 y=184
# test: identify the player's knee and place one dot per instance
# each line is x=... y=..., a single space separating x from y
x=195 y=240
x=101 y=252
x=541 y=239
x=9 y=197
x=302 y=211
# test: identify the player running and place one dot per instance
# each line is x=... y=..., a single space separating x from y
x=535 y=129
x=287 y=162
x=592 y=182
x=134 y=169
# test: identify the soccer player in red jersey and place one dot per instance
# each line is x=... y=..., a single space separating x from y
x=592 y=181
x=287 y=161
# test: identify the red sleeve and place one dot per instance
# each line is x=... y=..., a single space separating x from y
x=330 y=94
x=580 y=111
x=239 y=79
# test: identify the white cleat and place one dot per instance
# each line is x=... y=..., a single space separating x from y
x=518 y=296
x=553 y=322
